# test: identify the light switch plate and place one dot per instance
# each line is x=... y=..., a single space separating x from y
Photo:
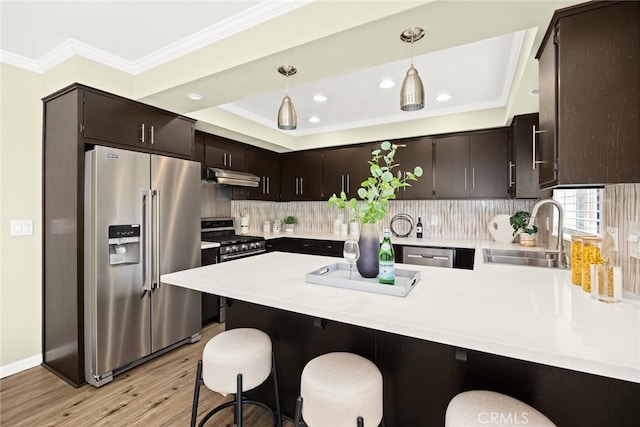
x=633 y=239
x=22 y=227
x=614 y=234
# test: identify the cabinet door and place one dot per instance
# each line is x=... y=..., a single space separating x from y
x=452 y=174
x=267 y=167
x=302 y=176
x=224 y=153
x=418 y=152
x=198 y=147
x=114 y=120
x=169 y=133
x=344 y=169
x=523 y=176
x=546 y=147
x=489 y=165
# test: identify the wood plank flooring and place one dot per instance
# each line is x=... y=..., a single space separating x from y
x=156 y=393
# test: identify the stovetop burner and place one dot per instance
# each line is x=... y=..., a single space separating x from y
x=222 y=230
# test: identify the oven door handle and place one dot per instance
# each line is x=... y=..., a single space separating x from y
x=241 y=255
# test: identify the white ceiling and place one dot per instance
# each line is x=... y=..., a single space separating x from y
x=481 y=52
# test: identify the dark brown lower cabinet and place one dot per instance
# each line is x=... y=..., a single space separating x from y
x=421 y=377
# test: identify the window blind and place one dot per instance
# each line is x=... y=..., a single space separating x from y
x=582 y=209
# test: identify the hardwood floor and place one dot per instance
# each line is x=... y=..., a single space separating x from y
x=156 y=393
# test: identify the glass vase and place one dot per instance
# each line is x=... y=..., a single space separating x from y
x=369 y=243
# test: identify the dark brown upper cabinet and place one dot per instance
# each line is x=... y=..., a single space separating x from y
x=523 y=173
x=198 y=147
x=301 y=176
x=224 y=153
x=472 y=165
x=115 y=121
x=266 y=165
x=417 y=152
x=344 y=169
x=589 y=71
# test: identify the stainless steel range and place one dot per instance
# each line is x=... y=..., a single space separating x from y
x=232 y=245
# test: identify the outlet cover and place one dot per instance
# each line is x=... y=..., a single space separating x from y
x=23 y=227
x=614 y=234
x=435 y=219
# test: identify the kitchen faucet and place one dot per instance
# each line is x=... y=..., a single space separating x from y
x=534 y=212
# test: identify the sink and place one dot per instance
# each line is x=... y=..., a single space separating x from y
x=527 y=258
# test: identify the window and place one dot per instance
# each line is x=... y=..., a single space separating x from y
x=581 y=209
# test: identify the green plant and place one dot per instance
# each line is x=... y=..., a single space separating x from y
x=291 y=220
x=380 y=187
x=520 y=222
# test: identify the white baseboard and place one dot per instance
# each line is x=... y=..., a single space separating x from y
x=20 y=365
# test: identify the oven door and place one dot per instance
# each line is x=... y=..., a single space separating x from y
x=238 y=255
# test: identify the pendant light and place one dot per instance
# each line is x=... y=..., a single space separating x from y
x=287 y=119
x=412 y=92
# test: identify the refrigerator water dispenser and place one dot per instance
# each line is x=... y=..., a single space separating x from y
x=124 y=244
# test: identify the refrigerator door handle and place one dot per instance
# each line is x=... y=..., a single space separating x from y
x=146 y=269
x=155 y=194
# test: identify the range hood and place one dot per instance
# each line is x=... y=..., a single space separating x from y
x=229 y=177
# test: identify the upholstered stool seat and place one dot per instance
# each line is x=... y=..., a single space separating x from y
x=233 y=362
x=482 y=408
x=338 y=388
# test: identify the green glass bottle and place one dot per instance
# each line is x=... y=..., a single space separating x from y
x=387 y=271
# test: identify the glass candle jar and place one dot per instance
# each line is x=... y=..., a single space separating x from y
x=606 y=283
x=590 y=255
x=576 y=260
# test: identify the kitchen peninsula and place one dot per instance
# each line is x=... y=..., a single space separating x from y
x=524 y=331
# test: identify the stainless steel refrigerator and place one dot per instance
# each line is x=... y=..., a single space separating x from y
x=142 y=219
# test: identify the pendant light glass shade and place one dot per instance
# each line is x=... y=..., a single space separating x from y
x=412 y=92
x=287 y=118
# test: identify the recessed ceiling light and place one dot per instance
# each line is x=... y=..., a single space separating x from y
x=386 y=84
x=534 y=91
x=195 y=96
x=443 y=97
x=320 y=98
x=314 y=119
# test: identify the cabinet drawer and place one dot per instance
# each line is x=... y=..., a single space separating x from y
x=434 y=257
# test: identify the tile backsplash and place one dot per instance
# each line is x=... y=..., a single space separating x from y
x=463 y=219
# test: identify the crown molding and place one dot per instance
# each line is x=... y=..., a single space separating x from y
x=258 y=14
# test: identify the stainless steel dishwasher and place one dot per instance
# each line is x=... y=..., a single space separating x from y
x=435 y=257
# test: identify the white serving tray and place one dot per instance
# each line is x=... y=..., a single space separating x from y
x=338 y=275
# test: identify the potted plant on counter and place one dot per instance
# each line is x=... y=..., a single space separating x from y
x=375 y=193
x=520 y=223
x=289 y=223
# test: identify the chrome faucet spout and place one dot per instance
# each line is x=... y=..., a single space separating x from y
x=534 y=212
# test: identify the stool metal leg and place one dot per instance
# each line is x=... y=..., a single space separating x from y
x=298 y=416
x=196 y=394
x=360 y=422
x=274 y=373
x=238 y=409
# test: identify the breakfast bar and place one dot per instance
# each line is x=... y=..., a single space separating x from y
x=527 y=332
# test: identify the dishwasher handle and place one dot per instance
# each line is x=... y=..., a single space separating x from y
x=434 y=257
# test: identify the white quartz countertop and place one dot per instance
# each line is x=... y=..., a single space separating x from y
x=526 y=313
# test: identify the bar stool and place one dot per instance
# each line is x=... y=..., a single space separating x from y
x=340 y=390
x=233 y=362
x=482 y=408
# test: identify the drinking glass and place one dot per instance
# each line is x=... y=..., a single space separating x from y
x=351 y=253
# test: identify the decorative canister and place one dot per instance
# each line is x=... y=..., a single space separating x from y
x=590 y=255
x=576 y=260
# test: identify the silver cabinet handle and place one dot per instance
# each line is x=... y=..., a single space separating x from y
x=301 y=186
x=533 y=138
x=511 y=165
x=224 y=162
x=142 y=133
x=465 y=178
x=229 y=160
x=473 y=178
x=268 y=185
x=342 y=183
x=264 y=185
x=348 y=184
x=296 y=186
x=152 y=137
